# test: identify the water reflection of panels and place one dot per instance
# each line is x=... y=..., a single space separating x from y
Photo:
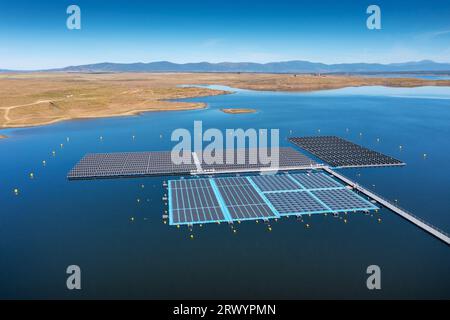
x=342 y=153
x=128 y=164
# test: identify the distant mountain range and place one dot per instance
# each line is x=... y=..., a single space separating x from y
x=297 y=66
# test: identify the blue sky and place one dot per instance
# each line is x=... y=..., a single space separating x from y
x=33 y=34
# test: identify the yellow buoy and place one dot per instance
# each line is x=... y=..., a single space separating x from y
x=165 y=222
x=269 y=228
x=178 y=226
x=192 y=236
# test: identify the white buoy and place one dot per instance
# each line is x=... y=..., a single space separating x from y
x=44 y=162
x=31 y=175
x=16 y=191
x=53 y=153
x=67 y=139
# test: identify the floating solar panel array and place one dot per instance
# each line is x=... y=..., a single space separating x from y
x=229 y=199
x=139 y=164
x=250 y=159
x=338 y=152
x=128 y=164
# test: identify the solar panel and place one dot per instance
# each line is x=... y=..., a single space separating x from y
x=295 y=202
x=244 y=202
x=193 y=202
x=251 y=158
x=274 y=183
x=343 y=200
x=342 y=153
x=128 y=164
x=230 y=199
x=315 y=180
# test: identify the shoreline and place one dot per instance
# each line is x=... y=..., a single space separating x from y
x=46 y=99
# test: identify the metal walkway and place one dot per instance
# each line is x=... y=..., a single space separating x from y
x=440 y=234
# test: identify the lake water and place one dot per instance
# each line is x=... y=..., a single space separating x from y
x=125 y=251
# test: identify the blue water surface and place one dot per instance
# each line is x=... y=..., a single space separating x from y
x=113 y=229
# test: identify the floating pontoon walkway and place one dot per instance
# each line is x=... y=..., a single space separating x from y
x=441 y=235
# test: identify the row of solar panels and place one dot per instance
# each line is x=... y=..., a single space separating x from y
x=136 y=164
x=198 y=201
x=335 y=151
x=338 y=152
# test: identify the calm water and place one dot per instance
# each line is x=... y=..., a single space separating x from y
x=54 y=223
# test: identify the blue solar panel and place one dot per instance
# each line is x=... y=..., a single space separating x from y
x=259 y=197
x=343 y=200
x=193 y=201
x=274 y=183
x=315 y=180
x=295 y=202
x=244 y=202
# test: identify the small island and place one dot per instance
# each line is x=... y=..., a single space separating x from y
x=237 y=110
